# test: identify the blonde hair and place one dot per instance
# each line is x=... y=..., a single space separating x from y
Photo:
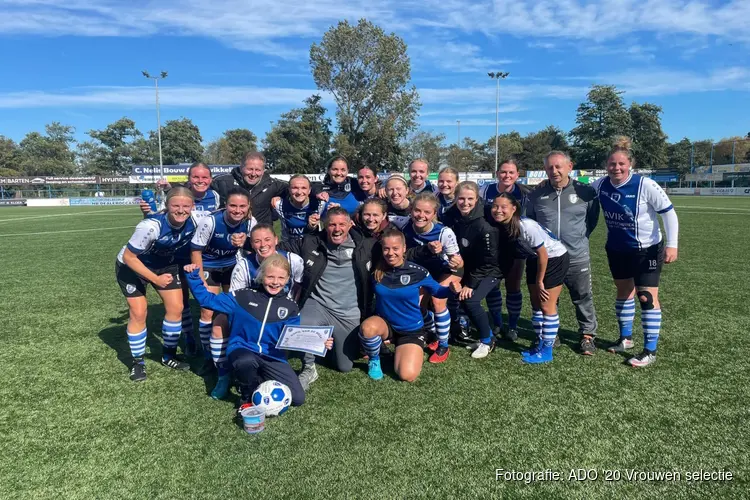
x=623 y=144
x=397 y=178
x=470 y=185
x=276 y=260
x=179 y=191
x=429 y=198
x=420 y=160
x=449 y=170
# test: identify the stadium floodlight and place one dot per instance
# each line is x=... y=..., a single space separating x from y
x=156 y=79
x=497 y=75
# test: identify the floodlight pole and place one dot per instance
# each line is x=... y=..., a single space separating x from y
x=497 y=75
x=158 y=117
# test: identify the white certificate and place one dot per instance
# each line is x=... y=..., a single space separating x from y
x=310 y=339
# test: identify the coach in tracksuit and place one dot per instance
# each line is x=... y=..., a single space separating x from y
x=570 y=210
x=252 y=175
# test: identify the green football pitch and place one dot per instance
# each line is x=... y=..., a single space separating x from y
x=72 y=425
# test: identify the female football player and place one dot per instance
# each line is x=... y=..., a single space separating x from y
x=337 y=187
x=419 y=170
x=635 y=248
x=546 y=267
x=398 y=315
x=397 y=194
x=153 y=255
x=257 y=316
x=478 y=243
x=296 y=210
x=442 y=263
x=367 y=179
x=215 y=248
x=447 y=182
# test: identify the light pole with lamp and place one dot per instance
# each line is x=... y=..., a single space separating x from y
x=497 y=75
x=156 y=79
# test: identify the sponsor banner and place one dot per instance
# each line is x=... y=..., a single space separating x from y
x=114 y=180
x=742 y=191
x=122 y=200
x=152 y=179
x=48 y=202
x=736 y=175
x=684 y=191
x=13 y=202
x=665 y=177
x=536 y=174
x=52 y=180
x=704 y=177
x=156 y=171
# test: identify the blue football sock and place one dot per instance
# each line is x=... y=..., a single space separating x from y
x=170 y=333
x=443 y=324
x=537 y=322
x=187 y=326
x=429 y=321
x=219 y=354
x=204 y=329
x=371 y=346
x=549 y=329
x=137 y=342
x=651 y=321
x=495 y=306
x=625 y=312
x=514 y=302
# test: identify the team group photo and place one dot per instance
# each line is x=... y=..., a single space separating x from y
x=404 y=286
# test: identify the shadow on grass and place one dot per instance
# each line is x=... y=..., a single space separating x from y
x=116 y=337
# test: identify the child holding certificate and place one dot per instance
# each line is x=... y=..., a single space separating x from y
x=257 y=316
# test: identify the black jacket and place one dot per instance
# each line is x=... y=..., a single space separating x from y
x=260 y=194
x=312 y=249
x=478 y=242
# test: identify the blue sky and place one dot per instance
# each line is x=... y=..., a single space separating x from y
x=235 y=63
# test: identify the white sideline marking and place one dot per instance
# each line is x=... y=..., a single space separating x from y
x=63 y=215
x=67 y=231
x=712 y=213
x=712 y=208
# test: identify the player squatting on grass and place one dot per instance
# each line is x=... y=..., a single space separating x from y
x=612 y=475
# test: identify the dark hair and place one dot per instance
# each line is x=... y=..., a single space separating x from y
x=510 y=160
x=334 y=159
x=336 y=211
x=262 y=225
x=253 y=155
x=381 y=267
x=514 y=225
x=374 y=170
x=199 y=164
x=240 y=191
x=376 y=201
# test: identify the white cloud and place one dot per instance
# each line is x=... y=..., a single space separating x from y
x=455 y=57
x=268 y=26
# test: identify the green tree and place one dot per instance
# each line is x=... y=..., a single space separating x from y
x=367 y=72
x=536 y=145
x=602 y=117
x=9 y=156
x=300 y=141
x=48 y=154
x=649 y=140
x=731 y=150
x=231 y=147
x=509 y=145
x=702 y=153
x=424 y=145
x=180 y=140
x=678 y=156
x=112 y=149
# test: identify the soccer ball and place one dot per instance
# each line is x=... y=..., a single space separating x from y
x=273 y=397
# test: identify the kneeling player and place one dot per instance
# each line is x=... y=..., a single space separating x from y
x=398 y=316
x=257 y=316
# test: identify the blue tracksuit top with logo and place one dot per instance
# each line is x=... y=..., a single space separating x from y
x=397 y=296
x=256 y=318
x=214 y=239
x=343 y=193
x=158 y=244
x=294 y=220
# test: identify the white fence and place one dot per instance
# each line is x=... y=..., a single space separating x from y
x=740 y=191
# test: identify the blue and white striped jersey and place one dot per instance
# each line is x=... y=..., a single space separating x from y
x=214 y=239
x=489 y=191
x=158 y=244
x=438 y=232
x=630 y=212
x=209 y=203
x=294 y=220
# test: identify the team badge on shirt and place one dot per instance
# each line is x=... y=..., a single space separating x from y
x=464 y=242
x=349 y=253
x=130 y=288
x=405 y=279
x=573 y=197
x=282 y=312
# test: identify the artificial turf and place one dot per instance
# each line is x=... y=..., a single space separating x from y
x=72 y=425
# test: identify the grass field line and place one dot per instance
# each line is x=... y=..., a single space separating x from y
x=712 y=208
x=712 y=213
x=67 y=231
x=66 y=214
